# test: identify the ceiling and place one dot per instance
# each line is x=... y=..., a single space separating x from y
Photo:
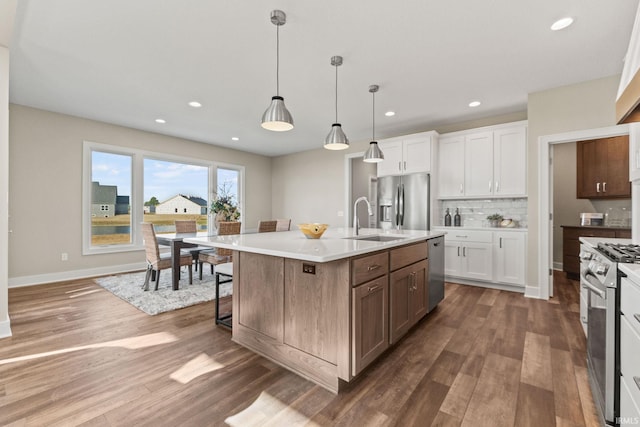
x=130 y=62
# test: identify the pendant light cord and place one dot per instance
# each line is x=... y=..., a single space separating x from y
x=336 y=94
x=277 y=60
x=373 y=117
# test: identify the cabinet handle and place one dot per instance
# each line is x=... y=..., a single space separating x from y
x=497 y=186
x=464 y=251
x=489 y=186
x=461 y=189
x=458 y=250
x=461 y=236
x=400 y=166
x=637 y=381
x=405 y=165
x=637 y=317
x=373 y=288
x=604 y=187
x=597 y=187
x=501 y=243
x=373 y=267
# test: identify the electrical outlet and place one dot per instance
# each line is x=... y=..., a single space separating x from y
x=308 y=268
x=340 y=213
x=64 y=256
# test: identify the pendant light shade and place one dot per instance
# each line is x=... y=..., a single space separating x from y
x=336 y=140
x=277 y=117
x=373 y=154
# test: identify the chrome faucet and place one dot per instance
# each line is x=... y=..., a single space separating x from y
x=356 y=222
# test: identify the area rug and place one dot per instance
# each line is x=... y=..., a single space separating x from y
x=129 y=288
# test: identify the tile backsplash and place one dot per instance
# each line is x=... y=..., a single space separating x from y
x=474 y=212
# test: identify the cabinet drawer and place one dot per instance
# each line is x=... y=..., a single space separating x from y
x=629 y=407
x=630 y=303
x=407 y=255
x=629 y=351
x=469 y=236
x=369 y=267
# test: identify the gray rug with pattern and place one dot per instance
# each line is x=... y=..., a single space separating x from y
x=128 y=287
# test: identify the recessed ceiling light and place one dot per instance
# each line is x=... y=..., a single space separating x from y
x=195 y=104
x=390 y=113
x=474 y=103
x=235 y=138
x=562 y=23
x=161 y=121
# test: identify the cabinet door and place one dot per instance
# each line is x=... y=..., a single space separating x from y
x=370 y=326
x=452 y=258
x=616 y=182
x=392 y=163
x=416 y=154
x=451 y=167
x=589 y=169
x=477 y=261
x=400 y=283
x=478 y=164
x=509 y=251
x=510 y=162
x=311 y=304
x=420 y=291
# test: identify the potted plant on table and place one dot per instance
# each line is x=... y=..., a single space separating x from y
x=494 y=220
x=224 y=206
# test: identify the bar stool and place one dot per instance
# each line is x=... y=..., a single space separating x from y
x=224 y=274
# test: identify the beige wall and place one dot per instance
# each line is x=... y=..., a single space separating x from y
x=580 y=106
x=45 y=186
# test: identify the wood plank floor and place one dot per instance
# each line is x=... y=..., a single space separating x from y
x=80 y=356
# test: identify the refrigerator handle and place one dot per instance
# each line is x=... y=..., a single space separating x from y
x=402 y=206
x=396 y=207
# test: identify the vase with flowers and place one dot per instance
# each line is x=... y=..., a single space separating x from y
x=224 y=206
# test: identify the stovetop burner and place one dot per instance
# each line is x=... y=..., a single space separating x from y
x=618 y=252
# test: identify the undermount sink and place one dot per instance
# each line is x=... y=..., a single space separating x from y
x=376 y=238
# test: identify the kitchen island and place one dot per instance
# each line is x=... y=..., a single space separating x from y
x=326 y=308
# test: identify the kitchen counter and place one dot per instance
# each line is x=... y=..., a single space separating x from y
x=336 y=243
x=327 y=308
x=631 y=270
x=593 y=241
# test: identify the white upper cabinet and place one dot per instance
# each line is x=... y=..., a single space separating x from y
x=488 y=162
x=406 y=154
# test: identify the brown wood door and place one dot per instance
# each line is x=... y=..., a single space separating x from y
x=420 y=291
x=617 y=183
x=370 y=326
x=590 y=169
x=400 y=283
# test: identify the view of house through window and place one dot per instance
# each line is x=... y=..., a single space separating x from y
x=125 y=187
x=110 y=198
x=175 y=191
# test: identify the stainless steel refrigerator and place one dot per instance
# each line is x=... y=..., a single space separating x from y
x=403 y=202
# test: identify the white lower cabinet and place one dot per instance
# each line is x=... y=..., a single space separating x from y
x=487 y=256
x=509 y=250
x=629 y=351
x=468 y=254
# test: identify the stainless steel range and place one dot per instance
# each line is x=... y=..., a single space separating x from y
x=602 y=278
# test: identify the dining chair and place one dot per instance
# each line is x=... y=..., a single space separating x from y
x=219 y=255
x=156 y=261
x=267 y=226
x=190 y=226
x=283 y=225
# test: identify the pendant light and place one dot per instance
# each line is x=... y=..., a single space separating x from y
x=373 y=154
x=277 y=117
x=336 y=140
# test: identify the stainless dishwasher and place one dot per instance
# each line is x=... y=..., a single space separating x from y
x=436 y=271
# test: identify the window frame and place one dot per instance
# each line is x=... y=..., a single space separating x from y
x=137 y=191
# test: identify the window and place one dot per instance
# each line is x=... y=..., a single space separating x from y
x=123 y=187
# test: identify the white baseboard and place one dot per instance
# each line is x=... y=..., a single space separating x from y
x=490 y=285
x=532 y=292
x=557 y=266
x=5 y=328
x=16 y=282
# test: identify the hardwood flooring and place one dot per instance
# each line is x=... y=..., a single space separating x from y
x=81 y=356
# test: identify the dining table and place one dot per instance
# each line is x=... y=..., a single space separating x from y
x=176 y=242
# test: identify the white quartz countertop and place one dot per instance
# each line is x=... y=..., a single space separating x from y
x=631 y=270
x=336 y=243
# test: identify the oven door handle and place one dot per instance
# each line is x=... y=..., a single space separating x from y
x=589 y=280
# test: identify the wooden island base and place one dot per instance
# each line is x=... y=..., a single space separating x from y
x=327 y=321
